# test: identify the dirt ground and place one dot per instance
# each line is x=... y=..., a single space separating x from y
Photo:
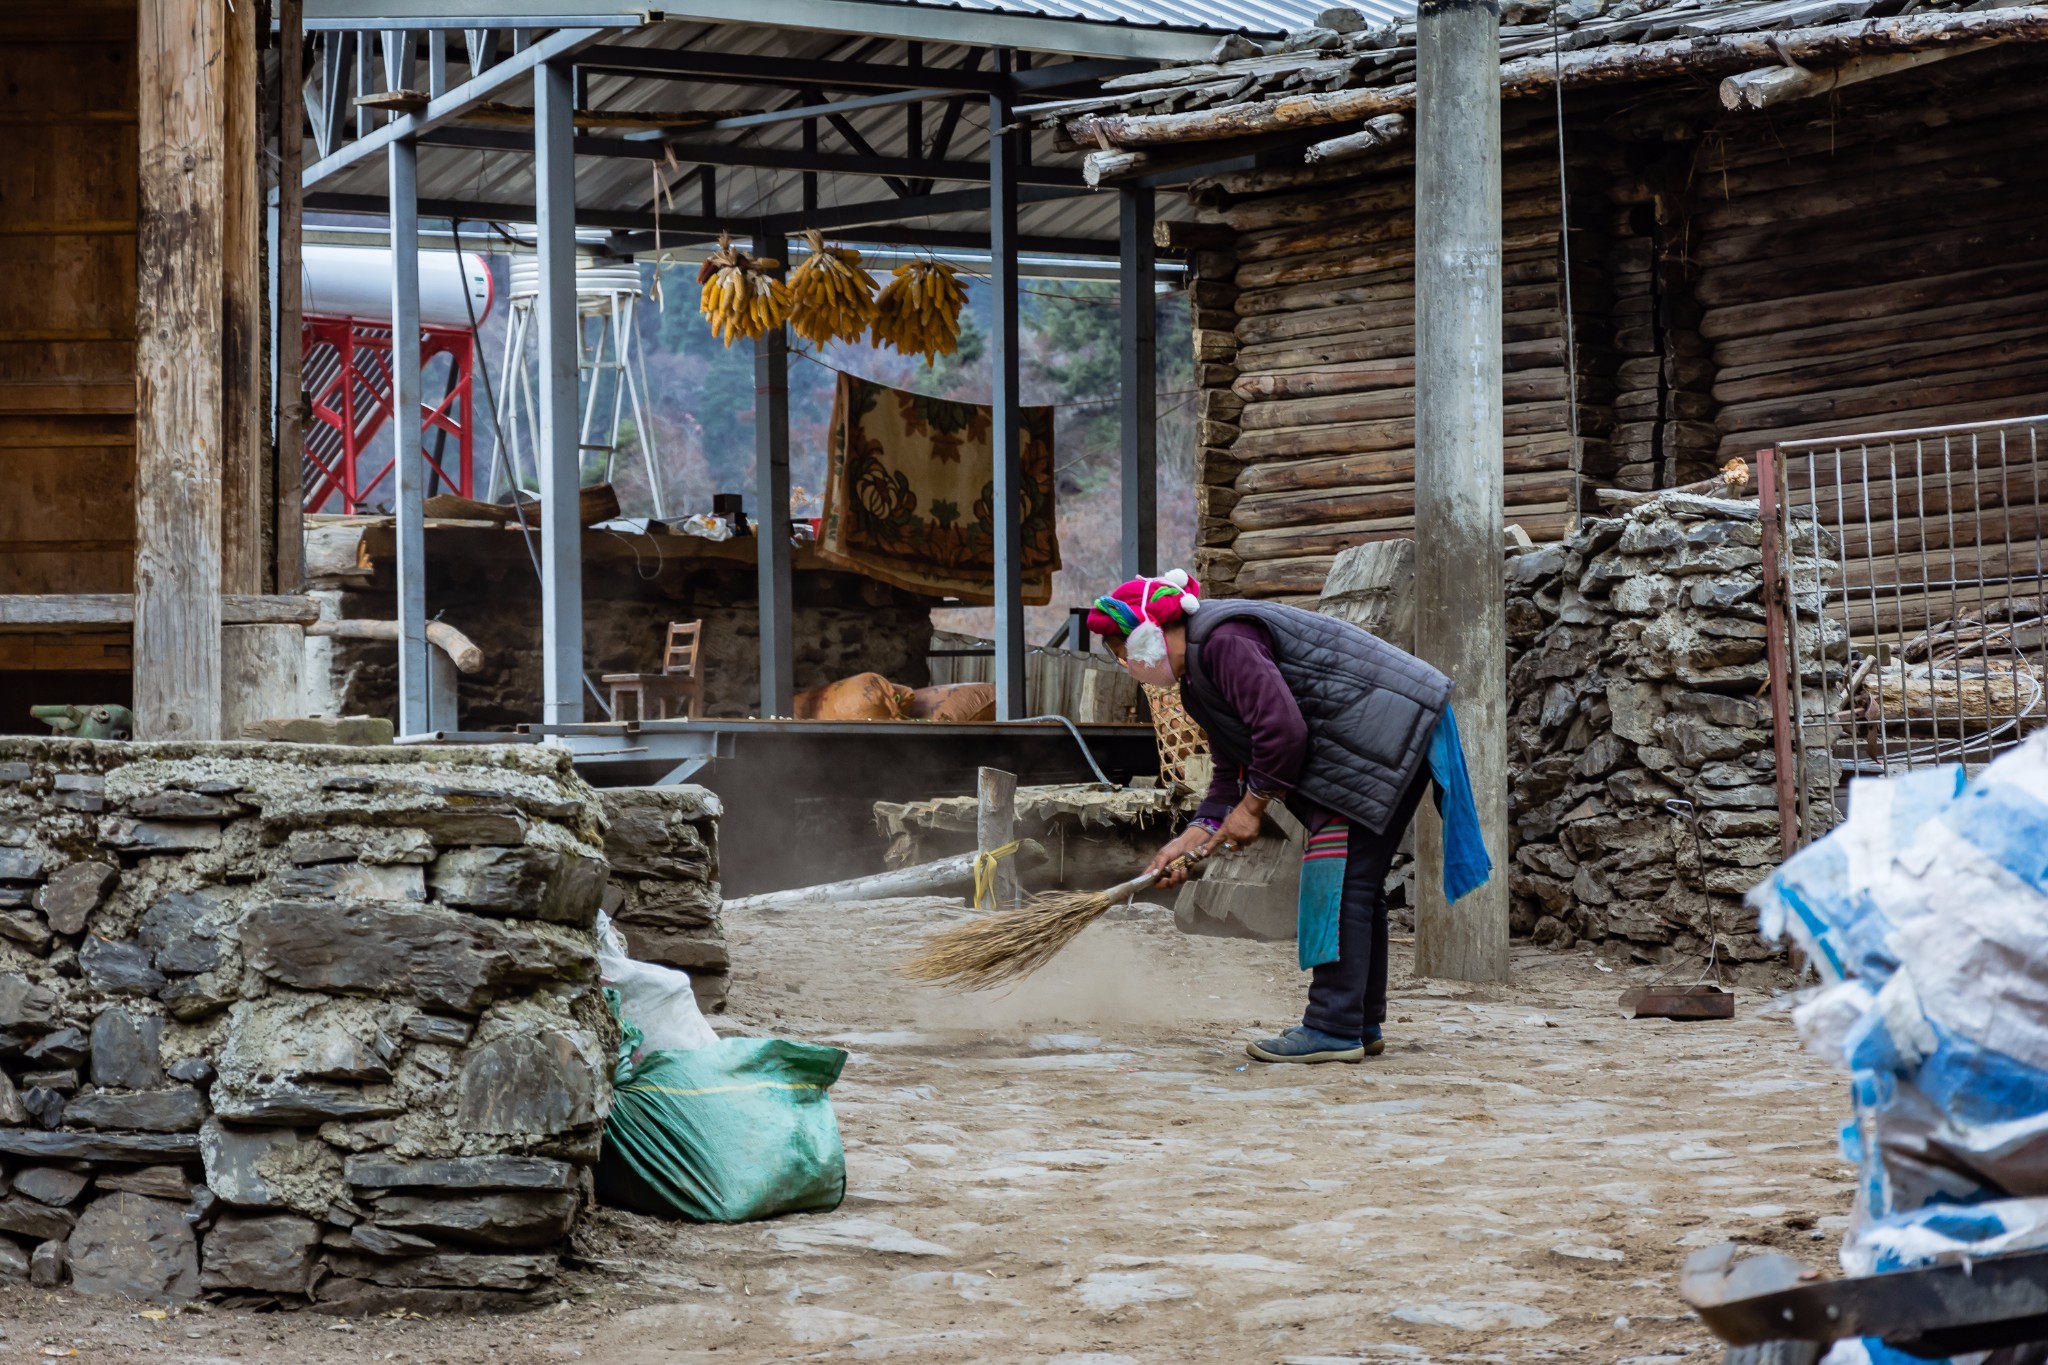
x=1089 y=1171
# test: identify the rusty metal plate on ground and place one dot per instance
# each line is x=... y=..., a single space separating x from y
x=1702 y=1001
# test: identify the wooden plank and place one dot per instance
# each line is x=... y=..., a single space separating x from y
x=1791 y=347
x=87 y=610
x=1342 y=506
x=244 y=453
x=288 y=525
x=65 y=653
x=1329 y=538
x=178 y=372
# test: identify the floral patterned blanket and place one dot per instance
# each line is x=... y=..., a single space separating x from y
x=910 y=493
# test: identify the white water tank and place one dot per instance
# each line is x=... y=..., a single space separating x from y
x=355 y=282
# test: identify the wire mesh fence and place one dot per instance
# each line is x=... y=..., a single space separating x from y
x=1939 y=596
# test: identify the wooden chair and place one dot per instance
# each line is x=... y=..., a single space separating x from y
x=681 y=678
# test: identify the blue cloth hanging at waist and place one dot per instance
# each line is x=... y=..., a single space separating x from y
x=1320 y=902
x=1466 y=866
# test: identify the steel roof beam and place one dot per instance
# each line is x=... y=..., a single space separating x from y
x=829 y=109
x=754 y=158
x=658 y=63
x=515 y=70
x=839 y=216
x=678 y=229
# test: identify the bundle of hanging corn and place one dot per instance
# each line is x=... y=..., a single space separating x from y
x=831 y=298
x=741 y=298
x=918 y=311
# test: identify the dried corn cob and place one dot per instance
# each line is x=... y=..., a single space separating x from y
x=831 y=296
x=740 y=297
x=918 y=311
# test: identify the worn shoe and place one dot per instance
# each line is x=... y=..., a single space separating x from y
x=1304 y=1044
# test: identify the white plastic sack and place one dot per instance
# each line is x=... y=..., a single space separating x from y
x=1926 y=914
x=656 y=1000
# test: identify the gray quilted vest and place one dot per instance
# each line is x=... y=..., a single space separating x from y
x=1369 y=706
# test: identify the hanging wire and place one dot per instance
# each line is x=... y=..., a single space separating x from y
x=1564 y=220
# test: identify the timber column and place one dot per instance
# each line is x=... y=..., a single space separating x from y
x=180 y=450
x=1461 y=606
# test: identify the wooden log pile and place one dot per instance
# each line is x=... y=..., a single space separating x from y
x=1872 y=266
x=1305 y=342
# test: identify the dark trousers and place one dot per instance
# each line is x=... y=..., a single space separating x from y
x=1349 y=995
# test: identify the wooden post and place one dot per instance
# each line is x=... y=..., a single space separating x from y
x=995 y=824
x=244 y=511
x=289 y=532
x=178 y=350
x=1461 y=610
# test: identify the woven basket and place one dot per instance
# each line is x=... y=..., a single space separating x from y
x=1179 y=737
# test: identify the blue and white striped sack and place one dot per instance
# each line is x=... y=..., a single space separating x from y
x=1926 y=914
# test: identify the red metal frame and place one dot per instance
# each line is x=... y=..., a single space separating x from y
x=348 y=381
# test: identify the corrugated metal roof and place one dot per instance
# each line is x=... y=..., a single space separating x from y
x=477 y=176
x=1263 y=18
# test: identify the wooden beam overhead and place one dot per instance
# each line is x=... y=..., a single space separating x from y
x=102 y=610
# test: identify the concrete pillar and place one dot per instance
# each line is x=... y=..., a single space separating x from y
x=1461 y=608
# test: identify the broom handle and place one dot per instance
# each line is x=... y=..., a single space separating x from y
x=1144 y=880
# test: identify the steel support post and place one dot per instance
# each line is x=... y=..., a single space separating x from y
x=771 y=499
x=1460 y=603
x=415 y=680
x=561 y=532
x=1140 y=400
x=1004 y=156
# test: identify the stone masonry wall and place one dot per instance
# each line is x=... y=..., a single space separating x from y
x=841 y=624
x=1637 y=675
x=297 y=1023
x=662 y=845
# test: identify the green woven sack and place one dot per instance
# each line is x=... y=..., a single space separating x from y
x=740 y=1130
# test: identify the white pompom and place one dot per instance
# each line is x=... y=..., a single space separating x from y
x=1177 y=577
x=1189 y=603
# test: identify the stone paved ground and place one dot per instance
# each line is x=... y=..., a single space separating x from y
x=1089 y=1172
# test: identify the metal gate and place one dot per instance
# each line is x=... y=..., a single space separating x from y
x=1939 y=595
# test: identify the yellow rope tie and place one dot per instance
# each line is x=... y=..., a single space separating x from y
x=985 y=873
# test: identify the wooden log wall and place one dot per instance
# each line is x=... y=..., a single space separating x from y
x=67 y=324
x=1880 y=262
x=1305 y=340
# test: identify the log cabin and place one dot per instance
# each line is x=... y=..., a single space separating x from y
x=1724 y=226
x=139 y=538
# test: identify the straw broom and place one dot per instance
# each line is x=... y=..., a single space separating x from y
x=1008 y=945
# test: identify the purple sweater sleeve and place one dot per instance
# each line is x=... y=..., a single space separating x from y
x=1238 y=656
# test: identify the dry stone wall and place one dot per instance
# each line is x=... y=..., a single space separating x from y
x=1637 y=676
x=662 y=847
x=297 y=1022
